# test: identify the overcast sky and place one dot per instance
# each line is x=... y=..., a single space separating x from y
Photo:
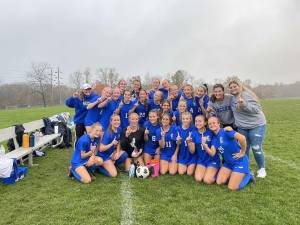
x=257 y=39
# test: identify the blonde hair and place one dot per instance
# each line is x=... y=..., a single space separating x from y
x=243 y=88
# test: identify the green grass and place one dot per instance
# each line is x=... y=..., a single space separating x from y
x=46 y=196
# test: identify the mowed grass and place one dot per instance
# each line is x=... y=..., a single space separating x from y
x=47 y=196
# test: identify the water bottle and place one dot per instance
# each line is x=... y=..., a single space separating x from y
x=31 y=140
x=25 y=141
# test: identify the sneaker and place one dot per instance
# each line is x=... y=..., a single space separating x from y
x=261 y=173
x=131 y=172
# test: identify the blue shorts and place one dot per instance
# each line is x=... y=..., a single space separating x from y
x=150 y=152
x=166 y=157
x=104 y=156
x=189 y=161
x=241 y=166
x=210 y=163
x=73 y=171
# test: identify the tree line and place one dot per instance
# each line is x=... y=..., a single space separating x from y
x=42 y=87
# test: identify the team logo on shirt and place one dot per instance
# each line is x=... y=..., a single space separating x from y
x=85 y=103
x=221 y=140
x=221 y=149
x=172 y=136
x=208 y=138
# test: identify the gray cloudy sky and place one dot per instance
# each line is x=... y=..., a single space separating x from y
x=257 y=39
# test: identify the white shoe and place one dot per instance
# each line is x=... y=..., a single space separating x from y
x=261 y=173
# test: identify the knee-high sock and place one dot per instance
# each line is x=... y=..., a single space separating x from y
x=245 y=181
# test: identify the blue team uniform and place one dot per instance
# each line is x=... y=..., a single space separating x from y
x=168 y=151
x=80 y=107
x=191 y=105
x=124 y=114
x=93 y=114
x=152 y=144
x=205 y=103
x=203 y=158
x=107 y=112
x=142 y=111
x=83 y=144
x=151 y=94
x=165 y=93
x=175 y=102
x=177 y=116
x=225 y=143
x=185 y=157
x=107 y=139
x=153 y=105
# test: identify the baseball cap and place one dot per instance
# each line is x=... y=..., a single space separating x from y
x=86 y=86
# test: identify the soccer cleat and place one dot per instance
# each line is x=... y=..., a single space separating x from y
x=261 y=173
x=131 y=172
x=252 y=178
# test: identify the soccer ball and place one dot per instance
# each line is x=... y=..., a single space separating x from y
x=142 y=172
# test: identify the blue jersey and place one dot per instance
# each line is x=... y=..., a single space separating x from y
x=226 y=144
x=184 y=154
x=151 y=94
x=142 y=111
x=153 y=105
x=107 y=112
x=83 y=144
x=170 y=142
x=165 y=93
x=202 y=155
x=178 y=118
x=93 y=114
x=205 y=103
x=124 y=113
x=80 y=107
x=108 y=137
x=152 y=144
x=191 y=105
x=175 y=102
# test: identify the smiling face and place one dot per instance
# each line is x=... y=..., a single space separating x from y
x=188 y=90
x=116 y=93
x=200 y=122
x=166 y=84
x=122 y=85
x=107 y=92
x=127 y=96
x=133 y=120
x=214 y=124
x=201 y=91
x=166 y=120
x=155 y=84
x=166 y=106
x=174 y=90
x=153 y=117
x=182 y=107
x=234 y=88
x=115 y=121
x=218 y=93
x=186 y=119
x=137 y=85
x=143 y=95
x=96 y=131
x=158 y=96
x=87 y=92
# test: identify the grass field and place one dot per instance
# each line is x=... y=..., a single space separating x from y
x=47 y=196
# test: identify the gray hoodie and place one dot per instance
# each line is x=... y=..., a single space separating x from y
x=250 y=115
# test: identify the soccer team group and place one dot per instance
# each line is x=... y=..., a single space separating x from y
x=183 y=128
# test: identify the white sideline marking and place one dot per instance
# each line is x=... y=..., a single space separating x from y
x=285 y=162
x=127 y=210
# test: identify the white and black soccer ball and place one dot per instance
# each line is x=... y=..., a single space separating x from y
x=142 y=172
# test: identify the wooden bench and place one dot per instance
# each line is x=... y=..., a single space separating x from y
x=20 y=152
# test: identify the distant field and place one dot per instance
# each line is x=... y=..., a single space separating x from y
x=47 y=196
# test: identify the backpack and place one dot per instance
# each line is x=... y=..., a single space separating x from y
x=19 y=131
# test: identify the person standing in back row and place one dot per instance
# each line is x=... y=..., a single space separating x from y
x=250 y=121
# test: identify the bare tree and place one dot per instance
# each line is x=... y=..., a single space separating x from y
x=108 y=76
x=87 y=75
x=181 y=77
x=76 y=79
x=40 y=80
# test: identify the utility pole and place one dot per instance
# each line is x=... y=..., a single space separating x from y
x=58 y=82
x=51 y=75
